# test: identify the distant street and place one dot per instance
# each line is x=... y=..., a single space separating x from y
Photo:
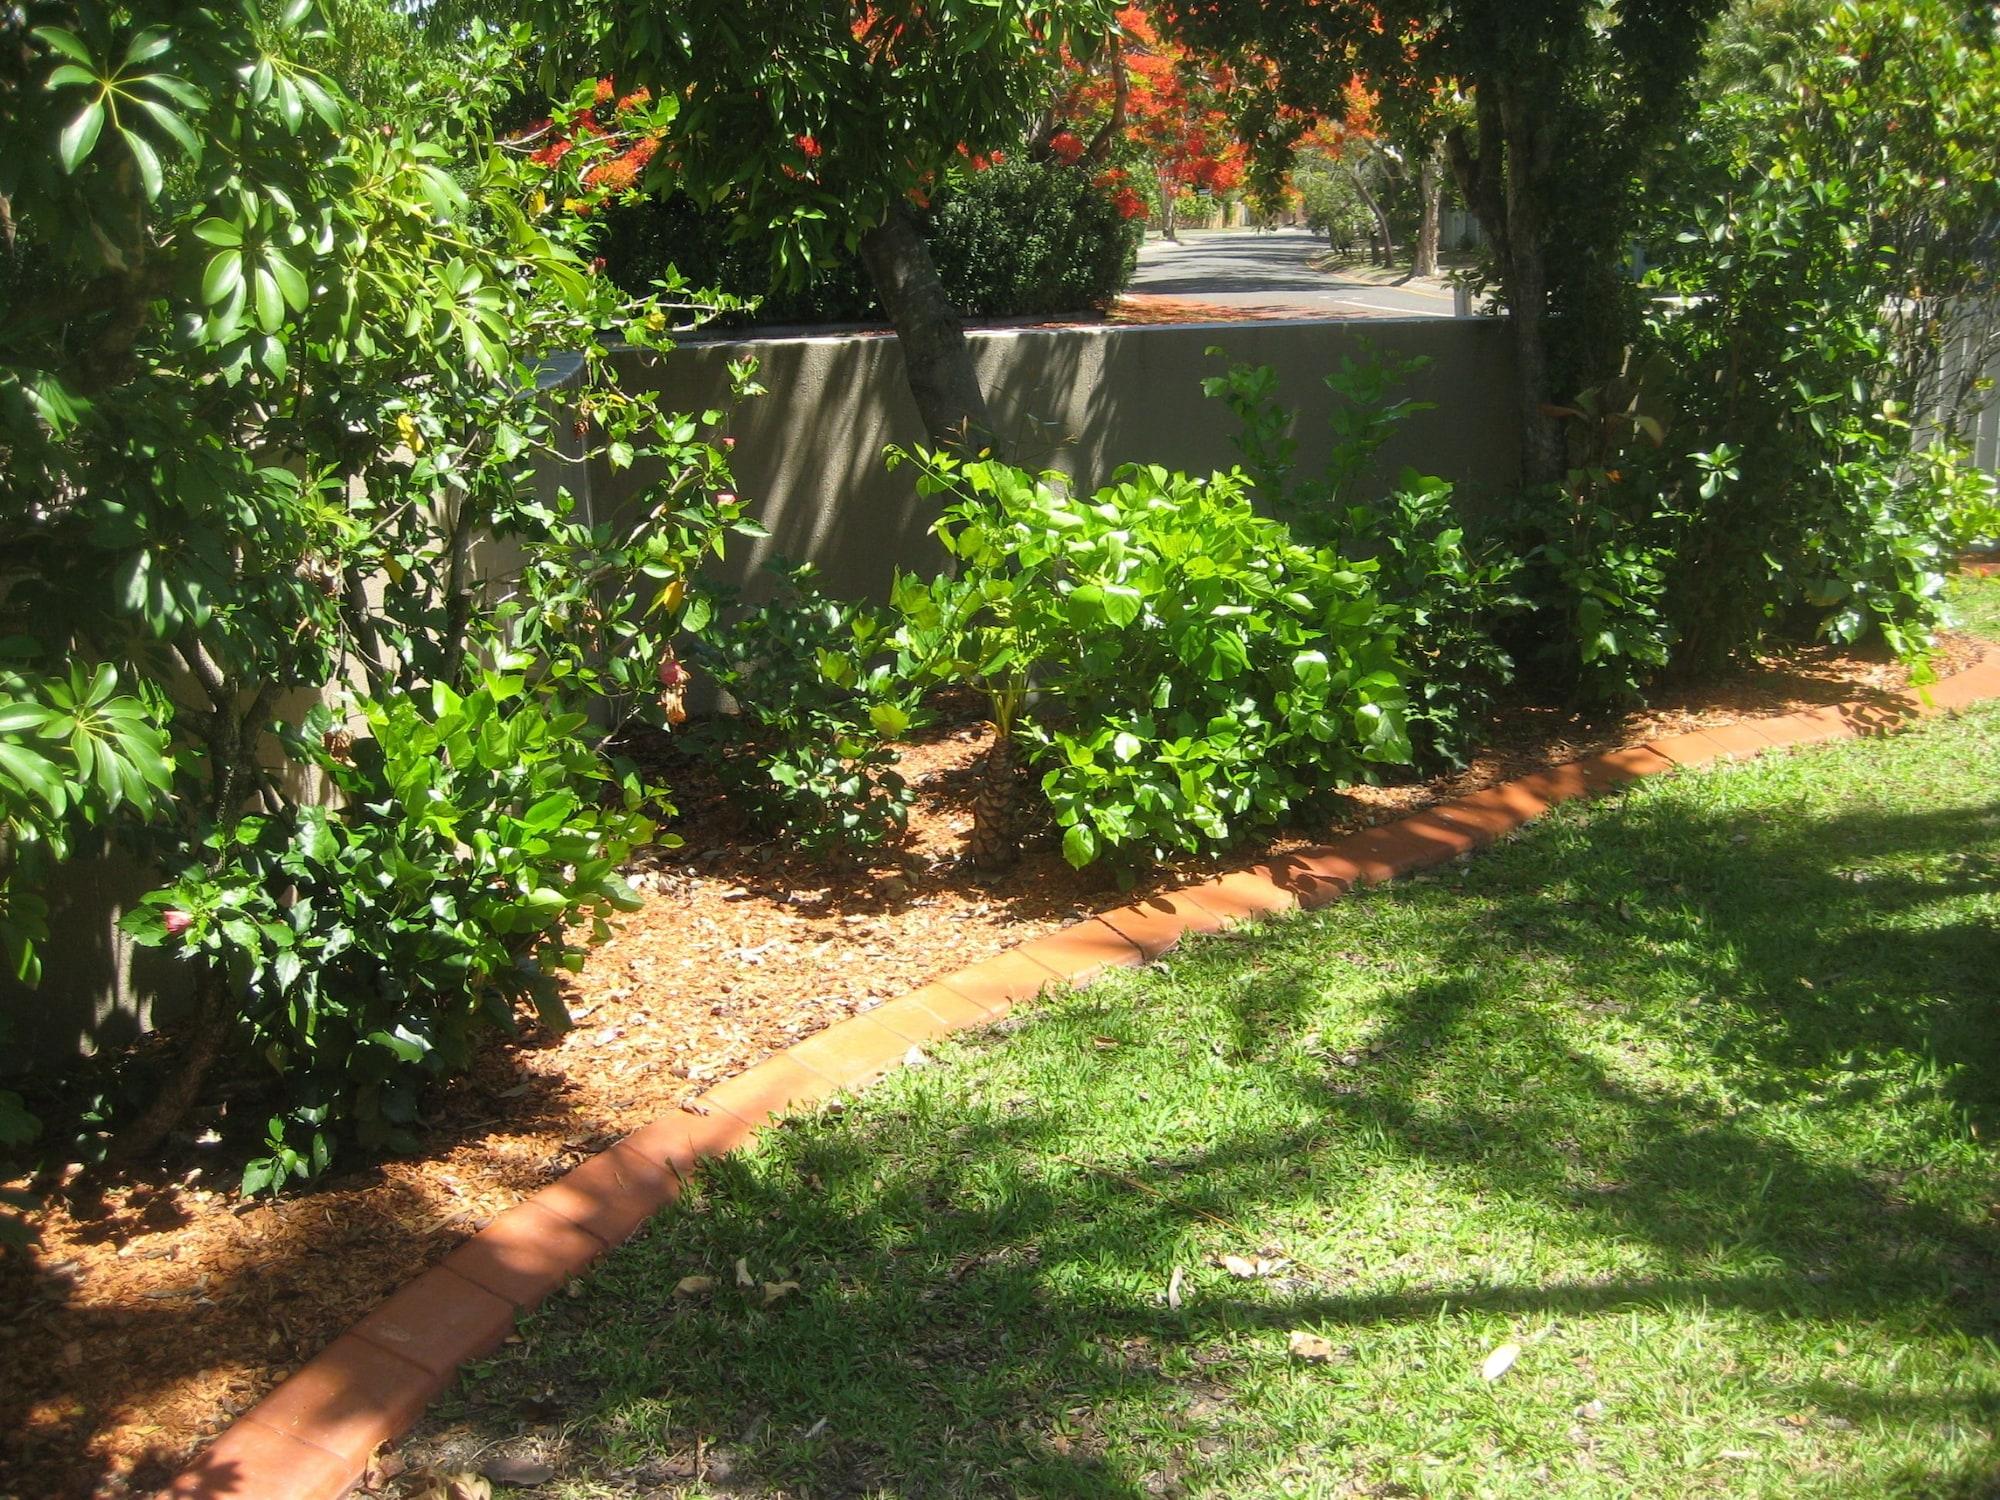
x=1249 y=268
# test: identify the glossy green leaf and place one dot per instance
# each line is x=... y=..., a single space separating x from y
x=223 y=277
x=79 y=137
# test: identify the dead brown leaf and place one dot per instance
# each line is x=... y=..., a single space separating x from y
x=456 y=1484
x=1310 y=1347
x=1243 y=1268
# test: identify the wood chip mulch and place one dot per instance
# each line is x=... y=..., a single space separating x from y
x=154 y=1308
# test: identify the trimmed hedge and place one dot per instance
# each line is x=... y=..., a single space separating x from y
x=1021 y=239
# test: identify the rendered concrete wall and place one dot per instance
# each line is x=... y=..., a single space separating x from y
x=1082 y=400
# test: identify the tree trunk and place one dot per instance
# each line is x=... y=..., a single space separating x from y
x=1430 y=183
x=936 y=357
x=141 y=1140
x=1169 y=208
x=1385 y=241
x=1114 y=123
x=1499 y=170
x=1544 y=460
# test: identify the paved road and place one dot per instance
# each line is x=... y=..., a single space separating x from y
x=1248 y=268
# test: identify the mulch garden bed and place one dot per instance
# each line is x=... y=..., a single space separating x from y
x=155 y=1307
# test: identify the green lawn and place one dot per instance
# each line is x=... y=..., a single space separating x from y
x=1975 y=604
x=1685 y=1093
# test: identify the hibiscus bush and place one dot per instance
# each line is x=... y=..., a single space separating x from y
x=1174 y=669
x=366 y=944
x=1451 y=591
x=819 y=693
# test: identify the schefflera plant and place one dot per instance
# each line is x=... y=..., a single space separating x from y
x=286 y=369
x=1175 y=669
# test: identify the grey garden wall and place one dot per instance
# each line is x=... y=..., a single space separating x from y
x=1082 y=400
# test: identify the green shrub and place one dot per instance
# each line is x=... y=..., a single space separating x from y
x=371 y=940
x=1176 y=668
x=1827 y=235
x=1026 y=238
x=268 y=420
x=819 y=693
x=1450 y=595
x=1596 y=548
x=1021 y=238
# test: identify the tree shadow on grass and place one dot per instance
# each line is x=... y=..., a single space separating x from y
x=983 y=1273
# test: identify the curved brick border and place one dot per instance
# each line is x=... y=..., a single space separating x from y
x=312 y=1437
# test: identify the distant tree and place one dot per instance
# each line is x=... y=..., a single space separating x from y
x=1178 y=113
x=1568 y=100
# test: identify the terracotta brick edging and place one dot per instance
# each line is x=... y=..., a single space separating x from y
x=312 y=1437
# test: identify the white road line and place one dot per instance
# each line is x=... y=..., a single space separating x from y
x=1407 y=312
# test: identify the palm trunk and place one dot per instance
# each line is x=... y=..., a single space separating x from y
x=936 y=358
x=995 y=841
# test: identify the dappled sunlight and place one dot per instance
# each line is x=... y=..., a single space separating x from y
x=1572 y=1095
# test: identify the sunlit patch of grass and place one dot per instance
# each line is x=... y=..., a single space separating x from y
x=1688 y=1094
x=1975 y=604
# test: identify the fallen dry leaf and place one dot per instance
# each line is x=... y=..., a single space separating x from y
x=743 y=1276
x=518 y=1470
x=382 y=1469
x=773 y=1290
x=1245 y=1269
x=1174 y=1288
x=459 y=1484
x=1500 y=1361
x=1310 y=1347
x=694 y=1286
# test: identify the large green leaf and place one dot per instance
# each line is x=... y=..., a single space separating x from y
x=79 y=137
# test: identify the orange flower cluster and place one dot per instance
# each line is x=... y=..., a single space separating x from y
x=621 y=173
x=1066 y=148
x=615 y=174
